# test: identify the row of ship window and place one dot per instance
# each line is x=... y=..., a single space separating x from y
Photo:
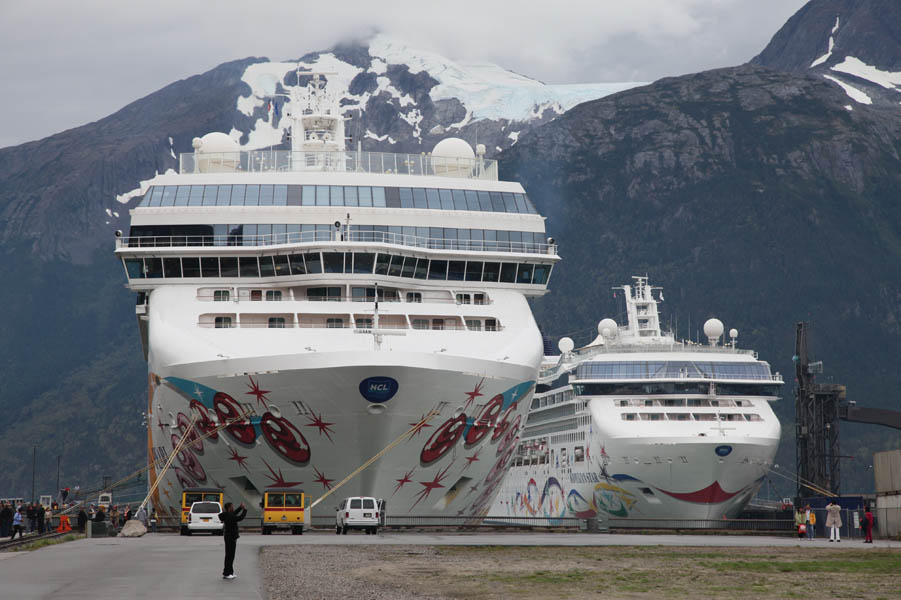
x=256 y=234
x=691 y=417
x=636 y=389
x=337 y=195
x=433 y=324
x=672 y=369
x=336 y=294
x=359 y=263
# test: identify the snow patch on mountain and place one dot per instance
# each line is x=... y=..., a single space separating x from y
x=487 y=90
x=854 y=66
x=826 y=56
x=853 y=93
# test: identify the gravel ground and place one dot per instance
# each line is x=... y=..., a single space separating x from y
x=330 y=572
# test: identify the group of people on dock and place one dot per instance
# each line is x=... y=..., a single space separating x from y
x=806 y=520
x=24 y=518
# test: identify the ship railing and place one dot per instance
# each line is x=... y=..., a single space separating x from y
x=678 y=376
x=312 y=237
x=366 y=328
x=209 y=296
x=389 y=163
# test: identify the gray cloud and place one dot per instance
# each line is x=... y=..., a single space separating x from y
x=68 y=63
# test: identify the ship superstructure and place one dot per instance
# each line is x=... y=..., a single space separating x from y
x=326 y=301
x=638 y=425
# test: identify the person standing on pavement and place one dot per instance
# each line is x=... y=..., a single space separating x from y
x=800 y=523
x=18 y=518
x=811 y=523
x=31 y=515
x=230 y=518
x=834 y=521
x=868 y=525
x=40 y=513
x=6 y=518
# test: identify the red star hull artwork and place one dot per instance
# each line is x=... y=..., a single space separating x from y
x=310 y=429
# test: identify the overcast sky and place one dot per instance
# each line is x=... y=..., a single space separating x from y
x=67 y=63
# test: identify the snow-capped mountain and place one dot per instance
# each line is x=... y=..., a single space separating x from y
x=853 y=44
x=406 y=99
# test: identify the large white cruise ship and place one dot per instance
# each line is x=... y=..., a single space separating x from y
x=332 y=300
x=637 y=425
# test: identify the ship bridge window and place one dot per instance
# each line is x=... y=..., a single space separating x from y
x=473 y=270
x=266 y=268
x=209 y=266
x=281 y=265
x=363 y=262
x=249 y=266
x=333 y=262
x=190 y=266
x=422 y=266
x=456 y=270
x=508 y=272
x=524 y=275
x=153 y=268
x=438 y=269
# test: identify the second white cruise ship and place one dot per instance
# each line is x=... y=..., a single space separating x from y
x=330 y=300
x=641 y=427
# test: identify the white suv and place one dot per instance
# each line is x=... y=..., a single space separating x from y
x=204 y=516
x=357 y=513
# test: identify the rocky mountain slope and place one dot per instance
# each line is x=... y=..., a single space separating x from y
x=748 y=194
x=855 y=44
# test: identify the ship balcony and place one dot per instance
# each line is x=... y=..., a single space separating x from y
x=260 y=161
x=251 y=242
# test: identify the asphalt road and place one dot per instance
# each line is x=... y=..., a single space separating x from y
x=167 y=566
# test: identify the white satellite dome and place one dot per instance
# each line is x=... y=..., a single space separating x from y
x=607 y=328
x=713 y=329
x=733 y=333
x=216 y=142
x=453 y=147
x=566 y=345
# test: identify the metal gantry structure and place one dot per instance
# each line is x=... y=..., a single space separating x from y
x=817 y=412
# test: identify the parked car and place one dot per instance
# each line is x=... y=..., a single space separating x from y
x=204 y=516
x=357 y=512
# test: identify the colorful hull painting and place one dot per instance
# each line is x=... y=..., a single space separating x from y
x=452 y=463
x=588 y=489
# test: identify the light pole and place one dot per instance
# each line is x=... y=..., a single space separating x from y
x=57 y=473
x=34 y=458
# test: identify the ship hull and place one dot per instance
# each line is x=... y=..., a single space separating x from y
x=310 y=428
x=671 y=476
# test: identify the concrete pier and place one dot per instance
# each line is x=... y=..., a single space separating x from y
x=166 y=566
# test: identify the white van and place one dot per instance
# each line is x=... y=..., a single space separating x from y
x=204 y=516
x=358 y=512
